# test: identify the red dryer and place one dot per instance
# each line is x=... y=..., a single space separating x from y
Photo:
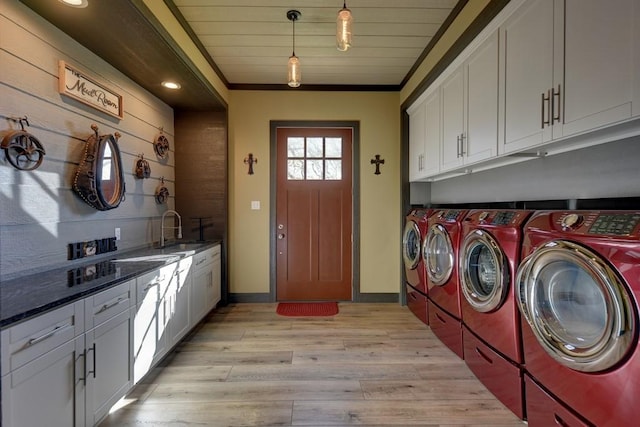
x=488 y=260
x=440 y=253
x=413 y=235
x=578 y=289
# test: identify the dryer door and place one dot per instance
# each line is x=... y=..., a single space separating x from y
x=438 y=255
x=411 y=245
x=576 y=305
x=484 y=271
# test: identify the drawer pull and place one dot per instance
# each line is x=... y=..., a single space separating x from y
x=484 y=356
x=560 y=421
x=149 y=286
x=34 y=341
x=108 y=306
x=440 y=318
x=201 y=261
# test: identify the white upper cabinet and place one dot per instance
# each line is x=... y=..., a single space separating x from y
x=424 y=137
x=470 y=109
x=570 y=67
x=528 y=43
x=598 y=51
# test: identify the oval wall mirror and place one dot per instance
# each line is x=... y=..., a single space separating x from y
x=99 y=180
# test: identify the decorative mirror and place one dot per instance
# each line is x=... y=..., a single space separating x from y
x=99 y=179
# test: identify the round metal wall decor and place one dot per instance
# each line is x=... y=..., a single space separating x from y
x=162 y=193
x=143 y=170
x=161 y=146
x=99 y=180
x=22 y=149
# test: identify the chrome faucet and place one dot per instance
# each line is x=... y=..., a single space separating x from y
x=162 y=227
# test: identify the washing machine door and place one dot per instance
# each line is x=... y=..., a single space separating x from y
x=484 y=271
x=577 y=307
x=438 y=255
x=411 y=245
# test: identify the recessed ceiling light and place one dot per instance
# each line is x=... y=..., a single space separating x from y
x=171 y=85
x=75 y=3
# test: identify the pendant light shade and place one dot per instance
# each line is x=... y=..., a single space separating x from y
x=343 y=30
x=293 y=67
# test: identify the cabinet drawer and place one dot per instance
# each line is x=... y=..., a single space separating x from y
x=104 y=305
x=153 y=285
x=28 y=340
x=206 y=257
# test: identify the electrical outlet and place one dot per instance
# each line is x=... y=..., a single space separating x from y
x=255 y=205
x=117 y=233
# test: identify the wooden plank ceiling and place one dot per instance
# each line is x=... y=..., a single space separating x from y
x=251 y=40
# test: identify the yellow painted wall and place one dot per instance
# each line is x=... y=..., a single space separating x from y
x=250 y=113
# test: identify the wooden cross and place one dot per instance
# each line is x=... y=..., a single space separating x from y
x=250 y=160
x=377 y=161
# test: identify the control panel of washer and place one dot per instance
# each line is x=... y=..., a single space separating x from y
x=598 y=223
x=615 y=224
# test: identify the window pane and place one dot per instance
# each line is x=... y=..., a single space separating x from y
x=334 y=169
x=314 y=169
x=295 y=147
x=295 y=169
x=333 y=147
x=314 y=147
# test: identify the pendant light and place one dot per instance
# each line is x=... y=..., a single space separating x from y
x=343 y=31
x=294 y=63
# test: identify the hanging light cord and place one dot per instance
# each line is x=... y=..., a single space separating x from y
x=294 y=35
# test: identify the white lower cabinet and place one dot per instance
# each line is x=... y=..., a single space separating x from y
x=205 y=289
x=69 y=366
x=74 y=383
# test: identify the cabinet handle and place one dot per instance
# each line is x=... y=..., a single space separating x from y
x=108 y=306
x=149 y=286
x=553 y=103
x=84 y=369
x=462 y=145
x=458 y=146
x=34 y=341
x=201 y=261
x=546 y=99
x=93 y=349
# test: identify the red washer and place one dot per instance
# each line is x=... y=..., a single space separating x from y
x=415 y=230
x=578 y=288
x=440 y=253
x=488 y=260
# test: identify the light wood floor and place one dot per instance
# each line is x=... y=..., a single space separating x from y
x=370 y=365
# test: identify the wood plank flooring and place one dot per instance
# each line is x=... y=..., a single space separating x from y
x=370 y=365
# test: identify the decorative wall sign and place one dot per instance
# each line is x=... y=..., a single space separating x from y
x=79 y=86
x=92 y=247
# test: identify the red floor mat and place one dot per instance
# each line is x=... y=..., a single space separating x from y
x=307 y=308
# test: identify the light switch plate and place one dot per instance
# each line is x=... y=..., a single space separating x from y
x=255 y=205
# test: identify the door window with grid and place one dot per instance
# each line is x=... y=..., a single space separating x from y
x=314 y=158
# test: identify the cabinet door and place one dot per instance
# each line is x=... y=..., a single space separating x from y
x=48 y=391
x=417 y=118
x=598 y=54
x=481 y=101
x=215 y=293
x=528 y=75
x=150 y=334
x=109 y=367
x=179 y=289
x=452 y=121
x=433 y=125
x=200 y=290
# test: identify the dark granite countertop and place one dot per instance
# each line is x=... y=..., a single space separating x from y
x=34 y=294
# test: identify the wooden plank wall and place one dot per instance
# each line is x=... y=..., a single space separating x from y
x=39 y=212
